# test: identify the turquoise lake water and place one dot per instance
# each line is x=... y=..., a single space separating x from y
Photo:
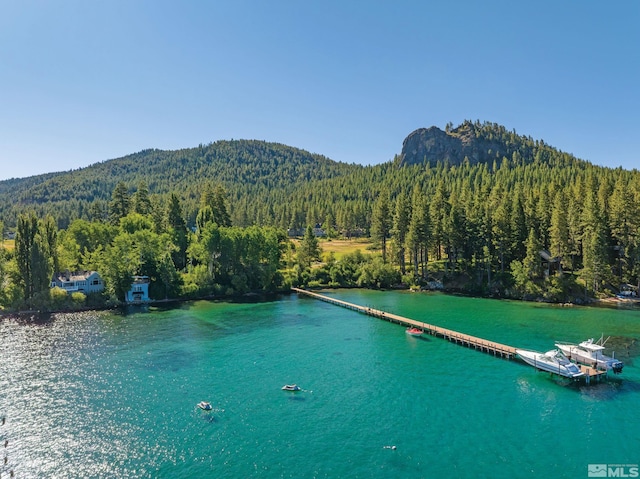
x=103 y=395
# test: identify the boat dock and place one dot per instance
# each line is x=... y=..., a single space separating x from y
x=484 y=345
x=590 y=373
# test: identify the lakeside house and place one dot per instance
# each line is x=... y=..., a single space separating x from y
x=139 y=292
x=550 y=263
x=86 y=282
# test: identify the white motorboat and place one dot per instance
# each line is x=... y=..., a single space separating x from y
x=205 y=406
x=590 y=353
x=291 y=387
x=552 y=361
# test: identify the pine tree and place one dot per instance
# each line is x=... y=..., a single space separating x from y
x=220 y=210
x=625 y=226
x=178 y=232
x=419 y=234
x=400 y=229
x=329 y=225
x=559 y=228
x=99 y=211
x=120 y=203
x=309 y=249
x=525 y=272
x=531 y=262
x=500 y=225
x=141 y=201
x=594 y=254
x=518 y=226
x=594 y=246
x=574 y=214
x=457 y=239
x=346 y=221
x=215 y=199
x=439 y=215
x=381 y=223
x=543 y=216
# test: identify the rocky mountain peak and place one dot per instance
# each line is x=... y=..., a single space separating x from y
x=477 y=142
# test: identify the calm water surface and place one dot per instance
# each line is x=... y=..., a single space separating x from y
x=97 y=395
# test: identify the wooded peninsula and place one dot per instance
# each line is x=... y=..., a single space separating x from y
x=476 y=209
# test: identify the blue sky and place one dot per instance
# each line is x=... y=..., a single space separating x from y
x=87 y=81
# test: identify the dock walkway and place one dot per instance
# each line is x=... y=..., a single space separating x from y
x=480 y=344
x=484 y=345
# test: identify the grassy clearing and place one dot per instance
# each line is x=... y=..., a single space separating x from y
x=8 y=244
x=341 y=247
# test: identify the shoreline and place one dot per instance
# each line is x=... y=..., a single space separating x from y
x=123 y=306
x=604 y=302
x=616 y=300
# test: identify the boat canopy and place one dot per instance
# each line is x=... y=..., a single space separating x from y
x=590 y=345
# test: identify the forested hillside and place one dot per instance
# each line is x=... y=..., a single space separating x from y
x=246 y=168
x=485 y=210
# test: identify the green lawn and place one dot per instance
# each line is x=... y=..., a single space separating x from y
x=341 y=247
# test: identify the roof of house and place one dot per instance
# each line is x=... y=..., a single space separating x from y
x=72 y=276
x=546 y=255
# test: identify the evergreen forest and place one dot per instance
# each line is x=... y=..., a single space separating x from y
x=479 y=209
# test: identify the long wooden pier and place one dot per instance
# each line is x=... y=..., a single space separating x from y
x=467 y=340
x=484 y=345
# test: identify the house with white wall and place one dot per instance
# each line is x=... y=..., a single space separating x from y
x=139 y=291
x=86 y=282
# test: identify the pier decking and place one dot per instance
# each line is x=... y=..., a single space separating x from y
x=480 y=344
x=484 y=345
x=590 y=373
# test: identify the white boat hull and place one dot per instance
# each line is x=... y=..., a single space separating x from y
x=590 y=355
x=552 y=361
x=291 y=387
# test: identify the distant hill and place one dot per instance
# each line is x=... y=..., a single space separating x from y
x=241 y=166
x=229 y=162
x=476 y=142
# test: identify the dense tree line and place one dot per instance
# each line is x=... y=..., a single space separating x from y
x=139 y=238
x=486 y=222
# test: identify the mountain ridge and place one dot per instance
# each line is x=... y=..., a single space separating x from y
x=271 y=176
x=236 y=164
